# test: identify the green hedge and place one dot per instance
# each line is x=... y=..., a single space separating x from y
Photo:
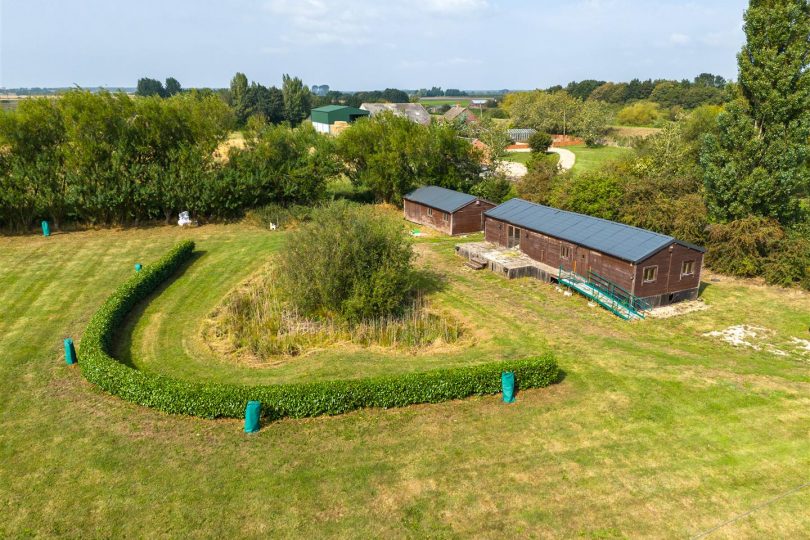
x=212 y=400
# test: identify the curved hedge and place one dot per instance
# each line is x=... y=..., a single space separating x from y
x=294 y=400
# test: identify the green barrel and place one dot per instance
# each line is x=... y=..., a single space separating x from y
x=508 y=386
x=253 y=412
x=70 y=352
x=46 y=229
x=138 y=267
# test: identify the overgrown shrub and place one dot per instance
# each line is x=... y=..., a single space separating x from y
x=540 y=142
x=641 y=113
x=349 y=262
x=758 y=246
x=280 y=216
x=213 y=400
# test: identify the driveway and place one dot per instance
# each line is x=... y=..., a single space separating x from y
x=567 y=157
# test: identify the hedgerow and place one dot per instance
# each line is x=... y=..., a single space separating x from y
x=213 y=400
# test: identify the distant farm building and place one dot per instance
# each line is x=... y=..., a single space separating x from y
x=593 y=255
x=333 y=118
x=457 y=113
x=519 y=135
x=445 y=210
x=414 y=112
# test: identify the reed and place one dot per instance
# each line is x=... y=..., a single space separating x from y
x=256 y=318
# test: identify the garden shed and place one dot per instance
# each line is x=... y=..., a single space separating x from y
x=653 y=267
x=445 y=210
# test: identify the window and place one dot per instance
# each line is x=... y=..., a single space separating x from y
x=565 y=252
x=650 y=274
x=688 y=268
x=430 y=212
x=445 y=216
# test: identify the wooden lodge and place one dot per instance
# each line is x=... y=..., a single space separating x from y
x=445 y=210
x=653 y=267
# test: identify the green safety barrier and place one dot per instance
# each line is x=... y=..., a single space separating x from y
x=508 y=386
x=70 y=352
x=253 y=412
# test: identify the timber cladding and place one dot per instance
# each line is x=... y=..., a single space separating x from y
x=425 y=215
x=445 y=210
x=648 y=265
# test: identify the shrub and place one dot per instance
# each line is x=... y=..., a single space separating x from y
x=213 y=400
x=540 y=142
x=758 y=246
x=641 y=113
x=741 y=247
x=280 y=216
x=537 y=184
x=350 y=262
x=495 y=188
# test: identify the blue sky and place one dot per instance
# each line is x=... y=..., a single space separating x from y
x=365 y=44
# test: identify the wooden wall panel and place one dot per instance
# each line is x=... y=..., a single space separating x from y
x=470 y=219
x=418 y=213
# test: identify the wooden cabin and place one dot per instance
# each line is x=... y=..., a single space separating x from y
x=445 y=210
x=654 y=267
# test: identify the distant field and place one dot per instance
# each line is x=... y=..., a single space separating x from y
x=431 y=102
x=632 y=131
x=589 y=159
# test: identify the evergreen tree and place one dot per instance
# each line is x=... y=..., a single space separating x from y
x=296 y=99
x=239 y=89
x=759 y=162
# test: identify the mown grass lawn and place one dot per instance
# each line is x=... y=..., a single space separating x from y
x=656 y=430
x=589 y=159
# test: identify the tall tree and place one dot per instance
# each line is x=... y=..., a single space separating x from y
x=759 y=162
x=296 y=99
x=150 y=87
x=172 y=86
x=239 y=88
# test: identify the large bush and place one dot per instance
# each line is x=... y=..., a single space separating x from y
x=351 y=262
x=390 y=156
x=641 y=113
x=213 y=400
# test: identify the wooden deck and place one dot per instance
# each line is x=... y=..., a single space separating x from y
x=511 y=263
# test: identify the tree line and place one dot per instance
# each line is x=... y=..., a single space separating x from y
x=705 y=89
x=104 y=158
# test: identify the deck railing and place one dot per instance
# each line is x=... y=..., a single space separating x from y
x=611 y=296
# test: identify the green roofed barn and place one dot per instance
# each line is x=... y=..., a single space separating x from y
x=326 y=118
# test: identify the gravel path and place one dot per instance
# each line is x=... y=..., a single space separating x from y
x=567 y=157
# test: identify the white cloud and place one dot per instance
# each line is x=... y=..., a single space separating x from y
x=679 y=39
x=453 y=6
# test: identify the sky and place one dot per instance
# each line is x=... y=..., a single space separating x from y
x=365 y=44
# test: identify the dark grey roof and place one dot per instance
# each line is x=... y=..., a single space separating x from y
x=440 y=198
x=616 y=239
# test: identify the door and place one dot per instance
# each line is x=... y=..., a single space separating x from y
x=513 y=237
x=581 y=261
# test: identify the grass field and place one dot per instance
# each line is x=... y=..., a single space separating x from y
x=656 y=430
x=589 y=159
x=435 y=102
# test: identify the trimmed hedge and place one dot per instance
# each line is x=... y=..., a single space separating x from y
x=213 y=400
